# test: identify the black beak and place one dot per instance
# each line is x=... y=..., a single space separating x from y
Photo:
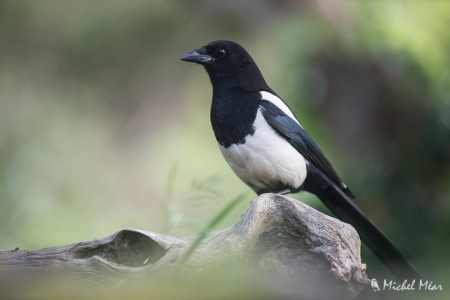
x=198 y=56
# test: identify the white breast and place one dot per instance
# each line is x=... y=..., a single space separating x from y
x=266 y=160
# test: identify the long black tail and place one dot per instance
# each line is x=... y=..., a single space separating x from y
x=341 y=204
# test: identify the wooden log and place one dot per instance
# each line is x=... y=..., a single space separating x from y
x=293 y=249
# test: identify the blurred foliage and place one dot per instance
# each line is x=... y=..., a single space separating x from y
x=101 y=127
x=381 y=95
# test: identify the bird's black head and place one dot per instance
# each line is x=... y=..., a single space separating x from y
x=228 y=65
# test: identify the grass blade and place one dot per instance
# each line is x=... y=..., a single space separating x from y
x=216 y=220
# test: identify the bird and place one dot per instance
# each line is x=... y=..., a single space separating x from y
x=268 y=148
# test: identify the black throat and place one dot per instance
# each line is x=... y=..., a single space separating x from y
x=233 y=112
x=236 y=98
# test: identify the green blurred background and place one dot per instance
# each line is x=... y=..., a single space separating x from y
x=102 y=127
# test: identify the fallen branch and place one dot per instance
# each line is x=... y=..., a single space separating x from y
x=296 y=250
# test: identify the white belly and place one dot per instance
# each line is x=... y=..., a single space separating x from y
x=266 y=161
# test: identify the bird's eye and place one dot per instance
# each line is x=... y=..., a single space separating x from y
x=222 y=52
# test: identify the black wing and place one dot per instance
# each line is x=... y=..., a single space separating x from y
x=334 y=194
x=300 y=140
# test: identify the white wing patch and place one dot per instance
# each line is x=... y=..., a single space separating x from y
x=279 y=103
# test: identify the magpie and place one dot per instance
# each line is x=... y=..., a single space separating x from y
x=269 y=149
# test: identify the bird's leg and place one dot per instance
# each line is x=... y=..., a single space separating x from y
x=284 y=192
